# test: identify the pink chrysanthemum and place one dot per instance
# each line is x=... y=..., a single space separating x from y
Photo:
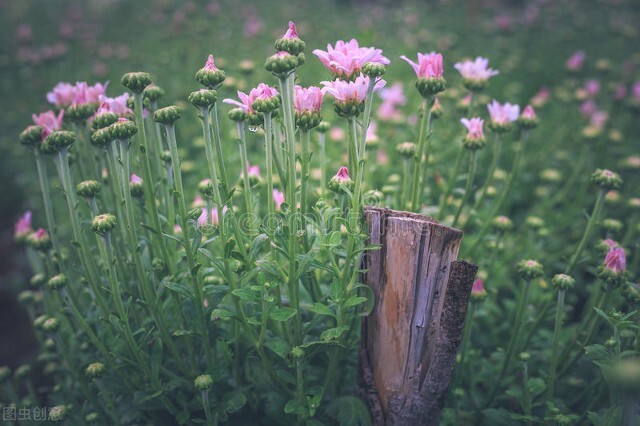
x=477 y=70
x=348 y=91
x=278 y=198
x=307 y=99
x=49 y=121
x=502 y=114
x=347 y=59
x=429 y=65
x=474 y=128
x=616 y=260
x=22 y=227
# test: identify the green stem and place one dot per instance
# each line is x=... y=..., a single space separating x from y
x=418 y=159
x=304 y=195
x=148 y=182
x=323 y=163
x=218 y=146
x=593 y=220
x=520 y=309
x=268 y=140
x=556 y=342
x=473 y=160
x=247 y=182
x=492 y=168
x=451 y=183
x=46 y=198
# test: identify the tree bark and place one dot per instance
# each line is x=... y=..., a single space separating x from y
x=410 y=339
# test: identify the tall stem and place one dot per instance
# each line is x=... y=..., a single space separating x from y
x=304 y=196
x=556 y=342
x=323 y=163
x=43 y=178
x=246 y=192
x=450 y=183
x=268 y=140
x=497 y=149
x=419 y=158
x=473 y=160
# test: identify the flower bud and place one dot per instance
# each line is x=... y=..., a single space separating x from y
x=281 y=64
x=478 y=292
x=436 y=110
x=5 y=374
x=297 y=352
x=58 y=141
x=39 y=321
x=95 y=370
x=203 y=98
x=349 y=108
x=502 y=224
x=123 y=129
x=51 y=325
x=58 y=413
x=341 y=181
x=237 y=115
x=57 y=282
x=203 y=382
x=528 y=119
x=323 y=127
x=165 y=156
x=606 y=179
x=374 y=69
x=136 y=81
x=50 y=344
x=102 y=137
x=524 y=356
x=563 y=282
x=26 y=297
x=31 y=136
x=266 y=105
x=80 y=112
x=210 y=76
x=290 y=42
x=308 y=120
x=39 y=240
x=38 y=280
x=428 y=87
x=530 y=269
x=22 y=372
x=136 y=186
x=167 y=115
x=205 y=187
x=92 y=417
x=103 y=223
x=88 y=188
x=406 y=149
x=534 y=222
x=153 y=92
x=612 y=225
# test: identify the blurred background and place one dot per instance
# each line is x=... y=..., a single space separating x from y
x=44 y=42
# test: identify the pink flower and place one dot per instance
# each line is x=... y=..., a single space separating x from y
x=198 y=202
x=22 y=227
x=612 y=244
x=392 y=97
x=252 y=25
x=372 y=136
x=62 y=95
x=246 y=102
x=503 y=114
x=263 y=92
x=342 y=175
x=253 y=171
x=503 y=22
x=40 y=234
x=474 y=128
x=337 y=133
x=592 y=87
x=616 y=260
x=205 y=218
x=588 y=108
x=307 y=99
x=575 y=61
x=635 y=90
x=477 y=70
x=541 y=97
x=599 y=119
x=478 y=287
x=135 y=180
x=350 y=91
x=48 y=121
x=291 y=32
x=210 y=65
x=85 y=94
x=278 y=198
x=429 y=65
x=528 y=113
x=117 y=105
x=348 y=58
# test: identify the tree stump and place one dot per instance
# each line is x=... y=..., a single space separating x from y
x=410 y=339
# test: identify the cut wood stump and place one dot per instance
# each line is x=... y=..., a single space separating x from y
x=410 y=339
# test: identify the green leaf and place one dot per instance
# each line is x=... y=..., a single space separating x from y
x=282 y=314
x=321 y=309
x=178 y=333
x=286 y=376
x=333 y=333
x=536 y=386
x=179 y=288
x=221 y=314
x=236 y=402
x=279 y=347
x=354 y=301
x=245 y=294
x=294 y=406
x=349 y=411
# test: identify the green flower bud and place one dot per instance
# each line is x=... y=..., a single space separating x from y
x=102 y=137
x=266 y=106
x=194 y=214
x=534 y=222
x=51 y=325
x=92 y=417
x=407 y=149
x=524 y=356
x=301 y=59
x=38 y=279
x=203 y=382
x=39 y=321
x=57 y=282
x=606 y=179
x=153 y=92
x=563 y=282
x=39 y=240
x=373 y=197
x=5 y=374
x=205 y=187
x=247 y=66
x=26 y=297
x=88 y=188
x=293 y=46
x=95 y=370
x=612 y=225
x=58 y=413
x=58 y=141
x=428 y=87
x=530 y=269
x=256 y=120
x=167 y=115
x=502 y=224
x=323 y=127
x=473 y=144
x=165 y=156
x=50 y=344
x=281 y=64
x=474 y=85
x=374 y=69
x=436 y=110
x=22 y=372
x=351 y=108
x=31 y=136
x=297 y=352
x=203 y=98
x=500 y=127
x=80 y=113
x=103 y=120
x=210 y=76
x=103 y=223
x=123 y=129
x=308 y=120
x=341 y=181
x=136 y=81
x=237 y=115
